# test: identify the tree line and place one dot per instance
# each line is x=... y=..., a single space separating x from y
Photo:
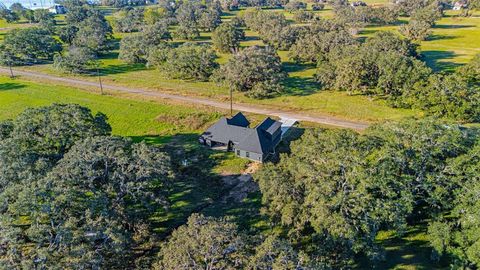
x=73 y=196
x=337 y=189
x=386 y=65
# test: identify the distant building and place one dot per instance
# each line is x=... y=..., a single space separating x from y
x=234 y=134
x=358 y=4
x=459 y=5
x=58 y=9
x=31 y=4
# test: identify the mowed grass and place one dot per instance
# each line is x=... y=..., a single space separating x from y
x=127 y=117
x=454 y=41
x=302 y=93
x=155 y=122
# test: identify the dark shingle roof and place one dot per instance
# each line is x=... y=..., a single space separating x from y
x=239 y=120
x=223 y=132
x=257 y=140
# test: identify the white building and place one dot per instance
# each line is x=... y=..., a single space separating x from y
x=30 y=4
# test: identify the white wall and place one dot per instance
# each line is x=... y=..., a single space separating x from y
x=30 y=4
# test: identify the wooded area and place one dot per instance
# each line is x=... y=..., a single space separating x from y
x=117 y=183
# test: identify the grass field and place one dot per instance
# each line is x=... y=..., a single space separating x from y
x=454 y=41
x=155 y=122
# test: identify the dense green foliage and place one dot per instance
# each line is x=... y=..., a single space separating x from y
x=383 y=64
x=203 y=243
x=72 y=197
x=190 y=61
x=458 y=235
x=128 y=20
x=81 y=198
x=193 y=17
x=337 y=189
x=226 y=38
x=136 y=47
x=421 y=20
x=388 y=66
x=320 y=38
x=273 y=28
x=94 y=32
x=254 y=70
x=217 y=243
x=446 y=95
x=355 y=18
x=77 y=60
x=27 y=46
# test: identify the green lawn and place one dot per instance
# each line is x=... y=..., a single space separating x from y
x=127 y=117
x=454 y=41
x=302 y=93
x=154 y=121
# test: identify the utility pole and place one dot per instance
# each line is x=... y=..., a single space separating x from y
x=100 y=80
x=231 y=102
x=11 y=70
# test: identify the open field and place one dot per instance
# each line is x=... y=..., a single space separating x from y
x=155 y=122
x=454 y=41
x=302 y=93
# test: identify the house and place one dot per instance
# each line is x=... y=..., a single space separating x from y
x=459 y=5
x=234 y=134
x=358 y=4
x=58 y=9
x=31 y=4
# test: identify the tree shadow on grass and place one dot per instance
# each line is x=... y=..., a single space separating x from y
x=10 y=86
x=295 y=67
x=453 y=26
x=300 y=86
x=439 y=60
x=251 y=38
x=411 y=250
x=122 y=68
x=440 y=37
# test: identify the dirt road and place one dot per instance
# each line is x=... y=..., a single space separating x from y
x=316 y=118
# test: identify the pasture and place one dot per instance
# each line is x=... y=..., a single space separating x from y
x=454 y=41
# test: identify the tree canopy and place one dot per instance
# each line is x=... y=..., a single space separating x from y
x=28 y=46
x=72 y=197
x=337 y=188
x=254 y=70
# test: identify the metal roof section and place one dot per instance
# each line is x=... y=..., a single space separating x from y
x=287 y=123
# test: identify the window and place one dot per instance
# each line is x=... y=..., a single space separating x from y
x=247 y=154
x=238 y=152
